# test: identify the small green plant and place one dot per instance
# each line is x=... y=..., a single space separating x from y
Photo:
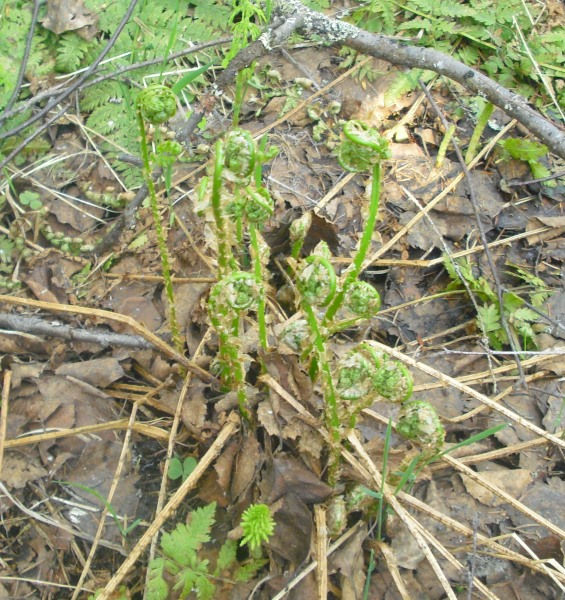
x=529 y=151
x=181 y=570
x=181 y=469
x=331 y=304
x=257 y=524
x=518 y=316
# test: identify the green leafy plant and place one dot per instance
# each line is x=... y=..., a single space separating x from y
x=181 y=570
x=238 y=204
x=529 y=151
x=181 y=469
x=519 y=317
x=257 y=524
x=477 y=32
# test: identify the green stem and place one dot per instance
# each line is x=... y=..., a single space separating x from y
x=332 y=417
x=258 y=271
x=223 y=255
x=444 y=145
x=163 y=251
x=482 y=121
x=364 y=245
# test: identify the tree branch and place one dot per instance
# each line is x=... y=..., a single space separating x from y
x=397 y=53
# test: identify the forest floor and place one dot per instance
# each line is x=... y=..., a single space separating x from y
x=87 y=419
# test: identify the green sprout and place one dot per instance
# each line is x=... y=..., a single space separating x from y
x=258 y=525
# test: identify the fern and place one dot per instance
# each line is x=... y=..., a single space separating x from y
x=181 y=544
x=71 y=50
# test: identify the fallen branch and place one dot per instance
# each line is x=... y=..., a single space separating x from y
x=38 y=326
x=397 y=53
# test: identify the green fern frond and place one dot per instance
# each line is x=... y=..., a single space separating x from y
x=71 y=50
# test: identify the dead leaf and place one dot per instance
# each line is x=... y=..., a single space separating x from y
x=18 y=469
x=291 y=539
x=69 y=15
x=285 y=475
x=97 y=372
x=247 y=465
x=513 y=482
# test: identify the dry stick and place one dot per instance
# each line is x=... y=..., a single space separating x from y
x=229 y=428
x=395 y=52
x=127 y=320
x=392 y=567
x=426 y=58
x=483 y=236
x=450 y=381
x=144 y=429
x=321 y=550
x=39 y=326
x=6 y=382
x=170 y=449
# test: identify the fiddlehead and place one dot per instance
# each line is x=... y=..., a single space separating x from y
x=362 y=299
x=237 y=292
x=418 y=421
x=317 y=280
x=157 y=103
x=240 y=153
x=259 y=205
x=361 y=148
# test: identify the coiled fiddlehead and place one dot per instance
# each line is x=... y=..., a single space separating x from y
x=361 y=148
x=259 y=205
x=366 y=373
x=237 y=292
x=418 y=421
x=317 y=280
x=157 y=103
x=240 y=153
x=362 y=299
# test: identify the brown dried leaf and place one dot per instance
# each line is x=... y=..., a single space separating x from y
x=98 y=372
x=69 y=15
x=18 y=469
x=285 y=475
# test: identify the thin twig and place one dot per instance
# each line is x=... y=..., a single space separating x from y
x=114 y=74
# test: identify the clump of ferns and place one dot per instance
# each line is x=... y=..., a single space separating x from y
x=331 y=304
x=238 y=205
